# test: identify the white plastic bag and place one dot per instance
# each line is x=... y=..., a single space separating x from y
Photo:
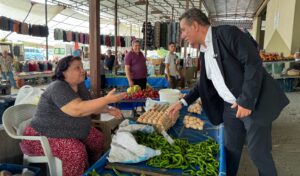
x=125 y=149
x=132 y=126
x=28 y=95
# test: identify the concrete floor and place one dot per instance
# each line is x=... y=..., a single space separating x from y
x=286 y=142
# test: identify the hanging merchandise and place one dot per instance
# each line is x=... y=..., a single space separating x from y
x=112 y=39
x=17 y=50
x=163 y=35
x=107 y=40
x=149 y=35
x=4 y=23
x=8 y=24
x=123 y=42
x=169 y=33
x=157 y=35
x=177 y=34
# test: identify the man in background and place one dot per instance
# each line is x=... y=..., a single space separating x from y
x=171 y=69
x=135 y=66
x=109 y=61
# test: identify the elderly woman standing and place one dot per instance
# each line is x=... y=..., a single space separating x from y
x=63 y=115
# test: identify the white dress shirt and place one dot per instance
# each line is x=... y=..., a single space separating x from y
x=213 y=71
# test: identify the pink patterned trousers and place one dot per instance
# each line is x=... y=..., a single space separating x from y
x=73 y=153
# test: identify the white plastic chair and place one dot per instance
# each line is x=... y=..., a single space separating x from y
x=12 y=121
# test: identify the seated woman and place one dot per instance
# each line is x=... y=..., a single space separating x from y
x=63 y=115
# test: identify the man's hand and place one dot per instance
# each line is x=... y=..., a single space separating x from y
x=169 y=79
x=173 y=110
x=241 y=111
x=130 y=83
x=115 y=112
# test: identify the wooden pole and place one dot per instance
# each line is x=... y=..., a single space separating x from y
x=46 y=23
x=94 y=43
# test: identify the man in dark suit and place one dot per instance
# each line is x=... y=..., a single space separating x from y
x=235 y=90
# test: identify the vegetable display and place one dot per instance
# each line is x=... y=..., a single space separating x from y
x=194 y=159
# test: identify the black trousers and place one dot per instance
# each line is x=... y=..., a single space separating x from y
x=259 y=143
x=173 y=82
x=141 y=82
x=103 y=84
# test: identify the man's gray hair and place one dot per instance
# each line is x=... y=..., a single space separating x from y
x=195 y=14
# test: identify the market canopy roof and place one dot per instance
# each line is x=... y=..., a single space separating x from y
x=58 y=17
x=73 y=14
x=128 y=10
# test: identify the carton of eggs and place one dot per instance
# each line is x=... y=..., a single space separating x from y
x=193 y=122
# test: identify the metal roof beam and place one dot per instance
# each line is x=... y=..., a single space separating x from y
x=180 y=5
x=171 y=6
x=247 y=7
x=215 y=6
x=192 y=3
x=236 y=5
x=159 y=5
x=226 y=7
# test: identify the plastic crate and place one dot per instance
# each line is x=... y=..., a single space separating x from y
x=17 y=169
x=216 y=132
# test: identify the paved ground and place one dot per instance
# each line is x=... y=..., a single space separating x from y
x=286 y=142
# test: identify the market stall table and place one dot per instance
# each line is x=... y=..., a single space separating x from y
x=20 y=77
x=132 y=104
x=29 y=75
x=177 y=131
x=121 y=81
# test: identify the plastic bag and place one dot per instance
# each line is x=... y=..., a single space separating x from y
x=150 y=103
x=125 y=149
x=28 y=95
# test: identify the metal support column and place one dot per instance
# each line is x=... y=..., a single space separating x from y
x=46 y=23
x=116 y=32
x=172 y=14
x=185 y=43
x=198 y=48
x=145 y=32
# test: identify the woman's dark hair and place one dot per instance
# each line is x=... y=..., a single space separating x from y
x=63 y=65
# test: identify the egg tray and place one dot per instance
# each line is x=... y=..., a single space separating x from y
x=158 y=118
x=193 y=122
x=195 y=107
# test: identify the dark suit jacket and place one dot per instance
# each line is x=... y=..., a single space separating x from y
x=245 y=77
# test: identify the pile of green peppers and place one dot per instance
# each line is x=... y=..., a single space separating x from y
x=194 y=159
